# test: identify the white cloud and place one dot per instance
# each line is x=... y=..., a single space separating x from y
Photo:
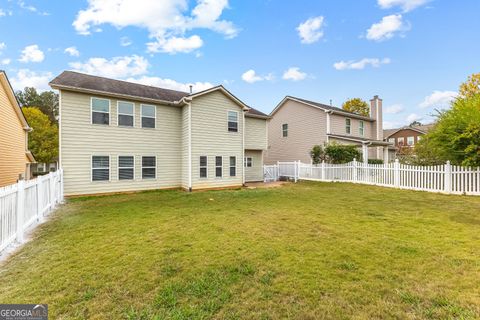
x=361 y=64
x=175 y=44
x=2 y=46
x=387 y=28
x=32 y=54
x=167 y=21
x=251 y=76
x=2 y=13
x=72 y=51
x=406 y=5
x=125 y=41
x=311 y=31
x=438 y=99
x=294 y=74
x=394 y=109
x=414 y=117
x=6 y=61
x=27 y=78
x=117 y=67
x=171 y=84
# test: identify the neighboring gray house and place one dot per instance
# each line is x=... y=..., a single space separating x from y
x=296 y=125
x=118 y=136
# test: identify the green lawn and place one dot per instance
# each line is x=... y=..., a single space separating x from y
x=304 y=251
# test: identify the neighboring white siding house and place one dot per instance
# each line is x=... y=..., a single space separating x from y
x=117 y=136
x=296 y=125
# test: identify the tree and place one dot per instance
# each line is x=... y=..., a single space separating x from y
x=356 y=105
x=471 y=87
x=43 y=140
x=317 y=154
x=46 y=101
x=340 y=153
x=415 y=123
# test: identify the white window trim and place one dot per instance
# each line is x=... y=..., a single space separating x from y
x=109 y=167
x=199 y=167
x=141 y=164
x=284 y=130
x=221 y=166
x=134 y=163
x=245 y=162
x=349 y=126
x=402 y=140
x=230 y=166
x=238 y=121
x=109 y=111
x=118 y=114
x=361 y=128
x=154 y=117
x=413 y=141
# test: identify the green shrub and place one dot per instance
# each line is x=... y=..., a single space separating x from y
x=375 y=161
x=341 y=153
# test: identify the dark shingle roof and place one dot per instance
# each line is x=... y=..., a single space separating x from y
x=255 y=112
x=327 y=107
x=84 y=81
x=423 y=128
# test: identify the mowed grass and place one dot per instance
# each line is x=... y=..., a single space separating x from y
x=302 y=251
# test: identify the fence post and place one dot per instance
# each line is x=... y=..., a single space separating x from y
x=448 y=177
x=295 y=171
x=20 y=209
x=51 y=182
x=354 y=176
x=323 y=170
x=396 y=173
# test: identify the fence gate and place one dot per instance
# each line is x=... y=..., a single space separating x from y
x=270 y=173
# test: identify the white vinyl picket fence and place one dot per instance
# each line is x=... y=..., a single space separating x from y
x=25 y=204
x=443 y=178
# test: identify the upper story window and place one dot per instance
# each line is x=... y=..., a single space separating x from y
x=401 y=141
x=348 y=126
x=100 y=111
x=218 y=166
x=203 y=166
x=149 y=114
x=392 y=140
x=410 y=141
x=125 y=112
x=285 y=130
x=232 y=121
x=361 y=128
x=126 y=168
x=100 y=168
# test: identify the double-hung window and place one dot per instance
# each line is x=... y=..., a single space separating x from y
x=233 y=166
x=401 y=141
x=392 y=140
x=410 y=141
x=100 y=111
x=232 y=121
x=361 y=128
x=348 y=126
x=126 y=166
x=125 y=112
x=203 y=166
x=218 y=166
x=100 y=168
x=149 y=114
x=149 y=167
x=285 y=130
x=248 y=162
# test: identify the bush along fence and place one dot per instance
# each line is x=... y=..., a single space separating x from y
x=24 y=205
x=443 y=178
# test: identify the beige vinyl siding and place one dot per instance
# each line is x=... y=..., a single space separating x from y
x=337 y=126
x=210 y=137
x=13 y=160
x=185 y=147
x=254 y=173
x=255 y=133
x=307 y=126
x=80 y=140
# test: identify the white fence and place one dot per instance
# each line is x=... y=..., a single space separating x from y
x=25 y=204
x=444 y=178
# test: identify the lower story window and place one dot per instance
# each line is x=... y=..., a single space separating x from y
x=125 y=167
x=218 y=166
x=233 y=166
x=203 y=166
x=149 y=167
x=248 y=162
x=100 y=168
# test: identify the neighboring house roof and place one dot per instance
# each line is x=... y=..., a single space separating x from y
x=75 y=81
x=420 y=129
x=360 y=139
x=321 y=106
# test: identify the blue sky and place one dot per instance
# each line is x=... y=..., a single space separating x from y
x=413 y=53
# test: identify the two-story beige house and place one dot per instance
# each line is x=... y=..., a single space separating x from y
x=118 y=136
x=15 y=159
x=296 y=125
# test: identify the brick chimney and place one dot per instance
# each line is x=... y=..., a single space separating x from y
x=376 y=112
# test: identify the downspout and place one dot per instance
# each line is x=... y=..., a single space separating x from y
x=188 y=102
x=243 y=149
